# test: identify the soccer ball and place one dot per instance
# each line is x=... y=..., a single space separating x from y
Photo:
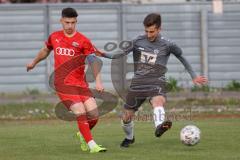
x=190 y=135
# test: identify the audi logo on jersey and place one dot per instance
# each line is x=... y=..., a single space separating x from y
x=65 y=51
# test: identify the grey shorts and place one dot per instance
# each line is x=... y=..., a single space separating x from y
x=138 y=93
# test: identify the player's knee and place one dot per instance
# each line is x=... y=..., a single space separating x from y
x=78 y=113
x=126 y=121
x=158 y=101
x=93 y=115
x=78 y=109
x=127 y=117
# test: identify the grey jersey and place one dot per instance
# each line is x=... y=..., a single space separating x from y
x=150 y=58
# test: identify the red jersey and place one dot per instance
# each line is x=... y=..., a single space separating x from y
x=66 y=48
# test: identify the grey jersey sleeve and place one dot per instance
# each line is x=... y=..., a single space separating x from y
x=177 y=51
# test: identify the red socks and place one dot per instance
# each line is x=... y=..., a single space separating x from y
x=84 y=129
x=92 y=122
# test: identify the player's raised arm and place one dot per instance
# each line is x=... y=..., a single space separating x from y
x=42 y=54
x=125 y=47
x=177 y=51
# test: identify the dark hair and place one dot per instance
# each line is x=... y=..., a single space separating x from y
x=69 y=13
x=152 y=19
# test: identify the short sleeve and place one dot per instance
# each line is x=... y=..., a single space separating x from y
x=88 y=47
x=48 y=43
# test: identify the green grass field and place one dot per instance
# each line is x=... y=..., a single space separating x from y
x=54 y=140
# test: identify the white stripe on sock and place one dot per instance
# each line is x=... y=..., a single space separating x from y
x=158 y=115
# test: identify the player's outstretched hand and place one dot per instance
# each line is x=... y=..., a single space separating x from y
x=30 y=66
x=98 y=52
x=200 y=80
x=99 y=87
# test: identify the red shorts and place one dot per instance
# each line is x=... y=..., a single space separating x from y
x=73 y=95
x=68 y=100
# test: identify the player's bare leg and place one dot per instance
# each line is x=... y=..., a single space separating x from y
x=127 y=125
x=159 y=116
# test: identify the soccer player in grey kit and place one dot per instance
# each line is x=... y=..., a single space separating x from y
x=150 y=54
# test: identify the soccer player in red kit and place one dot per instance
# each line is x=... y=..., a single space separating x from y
x=68 y=44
